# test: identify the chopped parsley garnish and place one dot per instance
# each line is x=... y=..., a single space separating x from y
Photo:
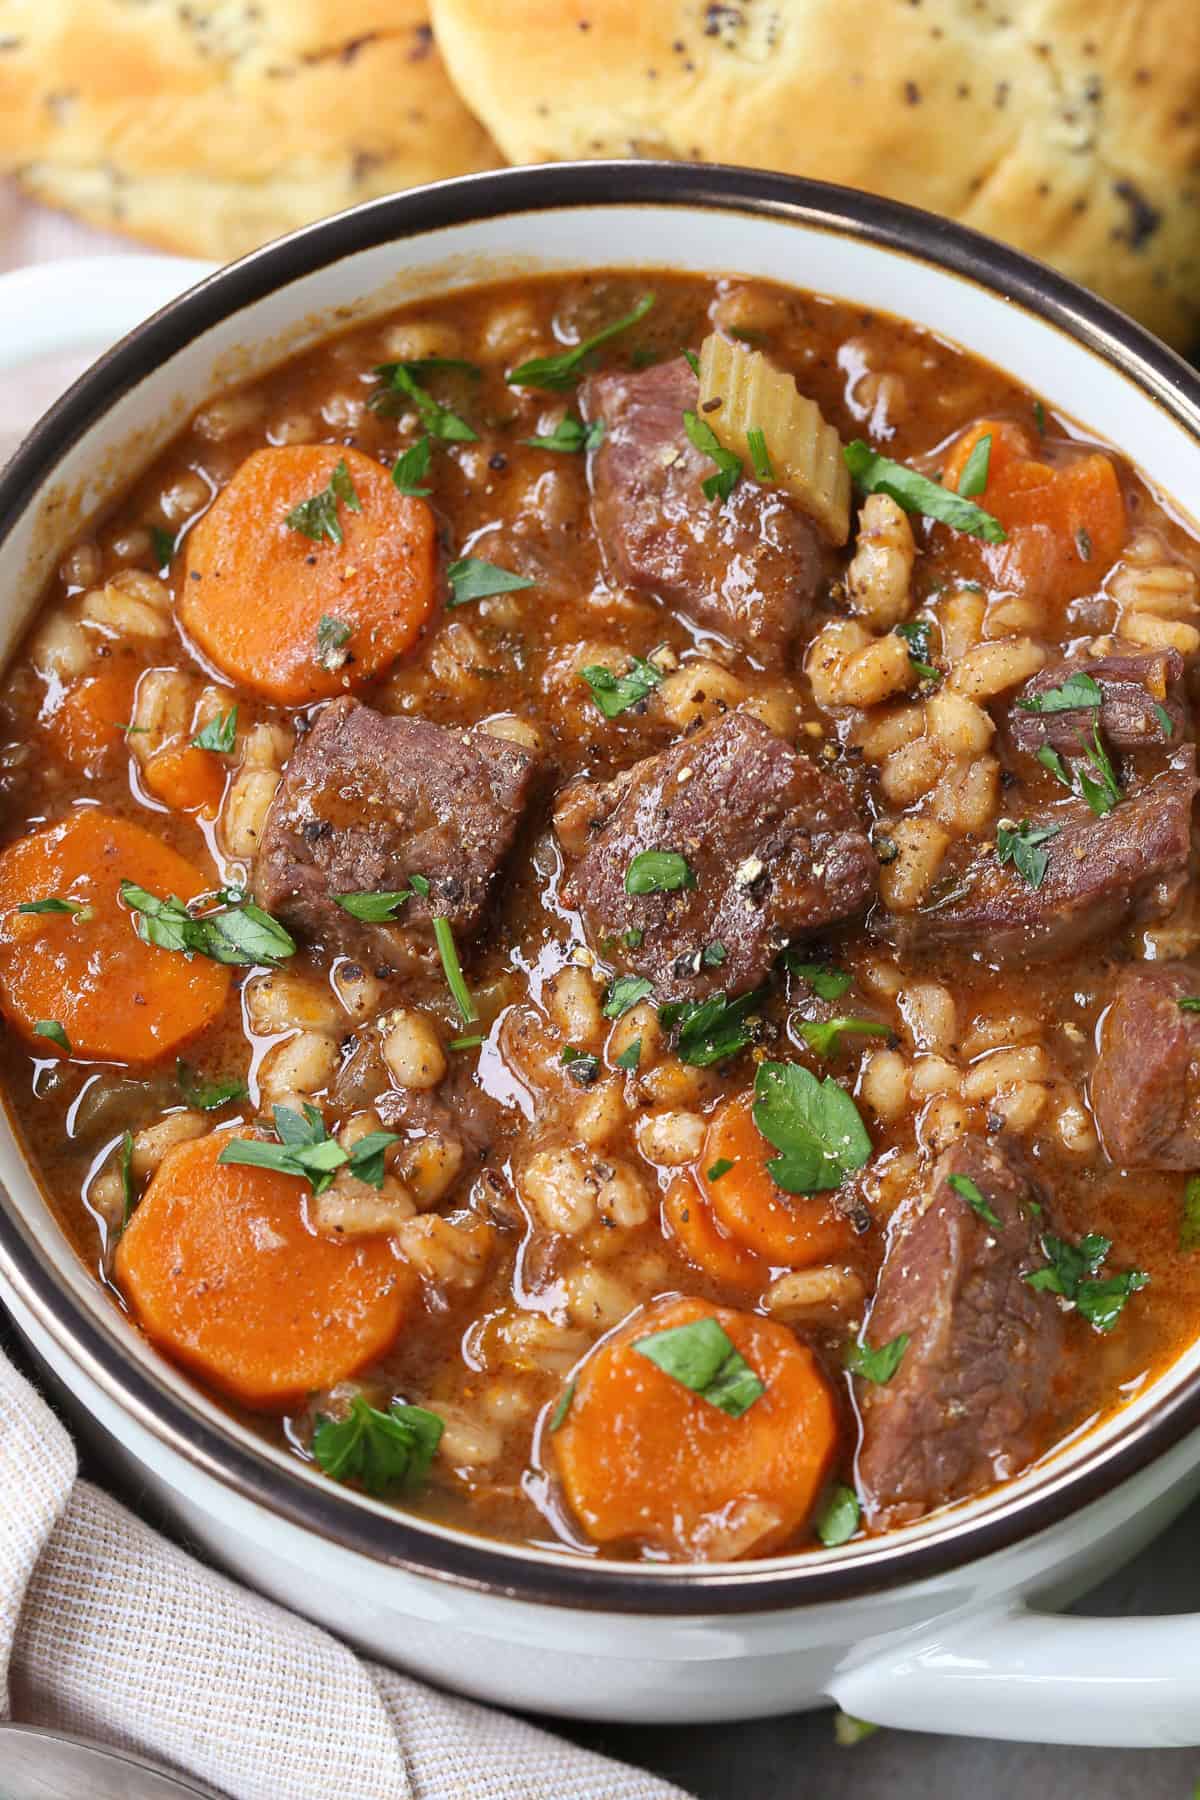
x=401 y=384
x=1165 y=721
x=708 y=1031
x=317 y=517
x=630 y=1057
x=1100 y=789
x=207 y=1096
x=219 y=734
x=55 y=905
x=1190 y=1003
x=826 y=981
x=702 y=437
x=760 y=456
x=825 y=1035
x=374 y=908
x=466 y=1043
x=713 y=955
x=581 y=1065
x=570 y=436
x=721 y=1167
x=974 y=477
x=443 y=935
x=333 y=635
x=562 y=1406
x=916 y=493
x=615 y=694
x=840 y=1517
x=1078 y=690
x=623 y=992
x=1050 y=759
x=632 y=938
x=1023 y=846
x=303 y=1148
x=1083 y=543
x=1039 y=418
x=917 y=632
x=658 y=872
x=969 y=1190
x=1071 y=1271
x=471 y=578
x=50 y=1028
x=411 y=468
x=701 y=1357
x=128 y=1185
x=239 y=932
x=564 y=369
x=814 y=1125
x=162 y=546
x=692 y=361
x=381 y=1450
x=873 y=1365
x=1189 y=1224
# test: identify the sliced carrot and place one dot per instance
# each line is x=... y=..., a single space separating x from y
x=87 y=729
x=255 y=591
x=789 y=1230
x=644 y=1459
x=1066 y=524
x=224 y=1273
x=185 y=778
x=688 y=1219
x=116 y=998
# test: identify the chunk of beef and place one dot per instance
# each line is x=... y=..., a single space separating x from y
x=369 y=800
x=772 y=841
x=963 y=1409
x=1146 y=1084
x=750 y=568
x=1143 y=705
x=1101 y=872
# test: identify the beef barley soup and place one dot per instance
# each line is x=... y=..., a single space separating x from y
x=598 y=921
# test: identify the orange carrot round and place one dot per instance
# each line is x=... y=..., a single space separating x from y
x=688 y=1219
x=116 y=998
x=1066 y=524
x=223 y=1273
x=87 y=730
x=255 y=591
x=645 y=1460
x=185 y=778
x=789 y=1230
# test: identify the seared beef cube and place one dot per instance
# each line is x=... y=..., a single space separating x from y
x=773 y=847
x=1143 y=705
x=1100 y=873
x=751 y=568
x=1146 y=1085
x=963 y=1409
x=369 y=800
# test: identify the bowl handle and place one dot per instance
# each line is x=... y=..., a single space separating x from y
x=83 y=304
x=1015 y=1673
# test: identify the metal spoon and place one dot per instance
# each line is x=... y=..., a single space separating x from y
x=36 y=1764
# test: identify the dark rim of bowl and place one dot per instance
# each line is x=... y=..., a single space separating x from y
x=398 y=1539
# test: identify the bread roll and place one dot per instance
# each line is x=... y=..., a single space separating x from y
x=1070 y=128
x=211 y=127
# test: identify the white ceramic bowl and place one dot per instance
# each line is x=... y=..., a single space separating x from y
x=947 y=1626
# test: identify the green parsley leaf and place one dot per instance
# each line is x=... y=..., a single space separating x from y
x=815 y=1126
x=238 y=933
x=220 y=733
x=1189 y=1225
x=570 y=436
x=721 y=1167
x=466 y=1043
x=443 y=935
x=50 y=1028
x=825 y=1035
x=1039 y=418
x=374 y=909
x=128 y=1185
x=658 y=872
x=692 y=361
x=713 y=955
x=471 y=578
x=1101 y=790
x=1165 y=721
x=381 y=1450
x=564 y=369
x=563 y=1406
x=840 y=1518
x=760 y=457
x=333 y=635
x=630 y=1057
x=401 y=384
x=623 y=992
x=317 y=517
x=615 y=694
x=701 y=435
x=1071 y=1270
x=1101 y=1302
x=875 y=1365
x=162 y=546
x=708 y=1031
x=1190 y=1003
x=206 y=1096
x=701 y=1357
x=1078 y=690
x=632 y=938
x=1050 y=759
x=1022 y=846
x=877 y=474
x=367 y=1157
x=304 y=1148
x=411 y=468
x=826 y=981
x=917 y=633
x=54 y=905
x=974 y=477
x=968 y=1190
x=581 y=1065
